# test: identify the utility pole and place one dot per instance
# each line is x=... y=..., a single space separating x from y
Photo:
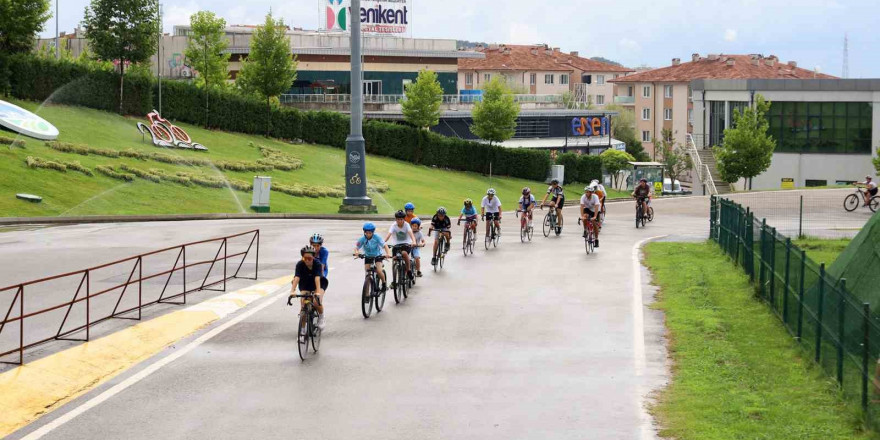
x=356 y=199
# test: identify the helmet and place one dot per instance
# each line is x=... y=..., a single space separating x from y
x=643 y=180
x=590 y=188
x=491 y=192
x=399 y=214
x=441 y=210
x=468 y=202
x=526 y=190
x=317 y=238
x=554 y=182
x=409 y=206
x=307 y=250
x=415 y=221
x=594 y=182
x=368 y=226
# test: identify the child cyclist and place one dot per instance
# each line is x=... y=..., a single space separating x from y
x=527 y=204
x=374 y=249
x=470 y=215
x=442 y=224
x=410 y=210
x=416 y=225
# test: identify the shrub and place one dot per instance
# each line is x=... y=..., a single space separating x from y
x=36 y=162
x=570 y=162
x=113 y=174
x=589 y=168
x=153 y=177
x=134 y=154
x=83 y=150
x=12 y=142
x=76 y=166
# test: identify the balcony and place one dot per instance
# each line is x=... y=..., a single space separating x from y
x=624 y=99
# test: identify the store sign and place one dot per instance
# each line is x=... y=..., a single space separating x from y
x=22 y=121
x=787 y=183
x=377 y=16
x=591 y=126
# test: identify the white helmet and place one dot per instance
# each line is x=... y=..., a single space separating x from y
x=591 y=187
x=491 y=192
x=594 y=182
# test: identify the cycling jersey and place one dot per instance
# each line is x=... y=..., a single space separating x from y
x=525 y=203
x=419 y=237
x=556 y=192
x=469 y=212
x=307 y=275
x=642 y=192
x=441 y=225
x=492 y=206
x=323 y=257
x=373 y=247
x=399 y=235
x=590 y=202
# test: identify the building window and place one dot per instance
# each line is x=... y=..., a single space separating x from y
x=600 y=99
x=690 y=93
x=533 y=79
x=487 y=77
x=563 y=79
x=548 y=79
x=469 y=79
x=646 y=136
x=667 y=91
x=646 y=91
x=667 y=114
x=587 y=79
x=600 y=79
x=629 y=91
x=821 y=127
x=690 y=116
x=646 y=114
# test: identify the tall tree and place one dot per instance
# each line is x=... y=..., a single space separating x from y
x=205 y=50
x=747 y=149
x=495 y=116
x=423 y=97
x=614 y=162
x=122 y=31
x=269 y=69
x=20 y=20
x=676 y=161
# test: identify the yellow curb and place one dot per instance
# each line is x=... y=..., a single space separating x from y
x=41 y=386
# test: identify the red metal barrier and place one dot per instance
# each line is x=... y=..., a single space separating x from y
x=136 y=278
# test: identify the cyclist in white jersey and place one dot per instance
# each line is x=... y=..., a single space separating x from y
x=490 y=209
x=590 y=207
x=401 y=239
x=871 y=187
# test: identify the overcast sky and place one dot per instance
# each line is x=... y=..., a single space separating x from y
x=633 y=32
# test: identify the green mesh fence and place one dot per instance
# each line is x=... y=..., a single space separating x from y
x=834 y=326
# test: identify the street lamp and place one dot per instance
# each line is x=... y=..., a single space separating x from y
x=356 y=199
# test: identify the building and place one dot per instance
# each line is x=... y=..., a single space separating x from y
x=662 y=98
x=826 y=130
x=541 y=70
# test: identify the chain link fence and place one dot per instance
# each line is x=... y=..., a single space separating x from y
x=837 y=329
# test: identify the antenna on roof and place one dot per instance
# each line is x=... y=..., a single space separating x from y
x=845 y=72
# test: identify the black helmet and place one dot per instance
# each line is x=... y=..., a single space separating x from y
x=554 y=182
x=441 y=210
x=307 y=250
x=399 y=214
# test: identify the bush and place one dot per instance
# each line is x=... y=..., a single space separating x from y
x=76 y=166
x=36 y=162
x=83 y=150
x=12 y=142
x=589 y=168
x=570 y=162
x=113 y=174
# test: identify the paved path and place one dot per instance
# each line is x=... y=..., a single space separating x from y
x=524 y=341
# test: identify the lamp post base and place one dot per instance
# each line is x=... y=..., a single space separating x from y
x=358 y=209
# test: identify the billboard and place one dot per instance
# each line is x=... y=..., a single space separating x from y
x=377 y=16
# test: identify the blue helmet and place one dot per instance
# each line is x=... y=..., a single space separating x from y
x=369 y=227
x=415 y=221
x=409 y=206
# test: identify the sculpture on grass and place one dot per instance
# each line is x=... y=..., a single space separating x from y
x=167 y=135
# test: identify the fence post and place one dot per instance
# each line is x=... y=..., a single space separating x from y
x=750 y=239
x=801 y=219
x=866 y=307
x=800 y=323
x=761 y=277
x=21 y=326
x=738 y=238
x=819 y=312
x=773 y=268
x=841 y=316
x=712 y=217
x=787 y=283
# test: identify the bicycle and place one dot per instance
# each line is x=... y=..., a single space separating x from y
x=372 y=293
x=401 y=278
x=641 y=216
x=440 y=254
x=854 y=200
x=494 y=235
x=550 y=222
x=307 y=331
x=526 y=230
x=470 y=237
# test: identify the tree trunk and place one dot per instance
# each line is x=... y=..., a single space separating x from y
x=121 y=82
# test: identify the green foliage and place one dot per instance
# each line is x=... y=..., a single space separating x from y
x=747 y=149
x=36 y=162
x=20 y=20
x=12 y=142
x=423 y=97
x=205 y=50
x=570 y=162
x=123 y=31
x=615 y=161
x=78 y=167
x=876 y=161
x=113 y=174
x=676 y=161
x=495 y=116
x=581 y=168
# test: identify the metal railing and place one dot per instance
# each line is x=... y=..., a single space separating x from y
x=836 y=328
x=396 y=99
x=703 y=173
x=97 y=303
x=624 y=99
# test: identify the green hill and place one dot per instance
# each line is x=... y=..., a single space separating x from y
x=176 y=188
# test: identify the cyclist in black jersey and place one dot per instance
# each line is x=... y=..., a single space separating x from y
x=557 y=202
x=443 y=225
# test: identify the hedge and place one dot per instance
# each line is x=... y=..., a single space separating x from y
x=580 y=168
x=71 y=83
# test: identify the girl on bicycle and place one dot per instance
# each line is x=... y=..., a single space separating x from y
x=374 y=248
x=470 y=215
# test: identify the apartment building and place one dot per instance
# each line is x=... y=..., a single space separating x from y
x=662 y=98
x=541 y=70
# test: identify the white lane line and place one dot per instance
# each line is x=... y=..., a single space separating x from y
x=118 y=388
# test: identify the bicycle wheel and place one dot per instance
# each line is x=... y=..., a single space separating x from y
x=302 y=337
x=488 y=238
x=436 y=257
x=638 y=215
x=398 y=282
x=472 y=242
x=367 y=298
x=851 y=202
x=650 y=214
x=523 y=232
x=466 y=240
x=316 y=332
x=588 y=244
x=874 y=203
x=531 y=231
x=406 y=280
x=380 y=298
x=548 y=224
x=442 y=259
x=497 y=238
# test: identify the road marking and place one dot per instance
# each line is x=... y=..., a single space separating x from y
x=118 y=388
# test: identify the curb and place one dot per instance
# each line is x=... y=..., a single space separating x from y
x=182 y=217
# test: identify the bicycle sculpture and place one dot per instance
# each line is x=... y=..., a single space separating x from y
x=167 y=135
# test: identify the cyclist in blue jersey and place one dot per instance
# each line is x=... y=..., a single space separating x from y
x=322 y=255
x=470 y=215
x=373 y=247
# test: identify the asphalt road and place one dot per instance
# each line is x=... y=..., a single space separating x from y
x=534 y=340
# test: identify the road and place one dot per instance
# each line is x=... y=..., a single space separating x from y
x=523 y=341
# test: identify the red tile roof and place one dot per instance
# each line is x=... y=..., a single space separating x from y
x=718 y=67
x=533 y=57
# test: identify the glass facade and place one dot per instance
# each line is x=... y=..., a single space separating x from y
x=821 y=127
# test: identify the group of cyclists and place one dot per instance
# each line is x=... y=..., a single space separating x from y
x=405 y=237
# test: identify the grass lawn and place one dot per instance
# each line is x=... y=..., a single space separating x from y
x=73 y=193
x=737 y=374
x=823 y=250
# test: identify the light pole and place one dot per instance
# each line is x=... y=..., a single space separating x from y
x=356 y=199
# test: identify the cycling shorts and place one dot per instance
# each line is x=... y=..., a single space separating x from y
x=493 y=215
x=561 y=201
x=398 y=248
x=371 y=260
x=872 y=192
x=471 y=218
x=589 y=212
x=438 y=231
x=416 y=252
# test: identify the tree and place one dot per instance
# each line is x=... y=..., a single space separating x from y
x=676 y=161
x=876 y=161
x=269 y=70
x=495 y=116
x=606 y=61
x=747 y=149
x=20 y=20
x=205 y=50
x=614 y=162
x=122 y=31
x=423 y=97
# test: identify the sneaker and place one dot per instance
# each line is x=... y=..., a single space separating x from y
x=320 y=323
x=596 y=243
x=584 y=234
x=447 y=248
x=558 y=230
x=433 y=261
x=419 y=273
x=393 y=285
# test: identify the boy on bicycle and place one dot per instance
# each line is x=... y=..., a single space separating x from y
x=490 y=208
x=307 y=277
x=590 y=207
x=374 y=248
x=416 y=225
x=871 y=188
x=322 y=255
x=410 y=210
x=557 y=202
x=401 y=236
x=443 y=225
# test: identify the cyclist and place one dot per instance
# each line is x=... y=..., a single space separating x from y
x=321 y=253
x=307 y=278
x=401 y=235
x=557 y=202
x=601 y=192
x=410 y=210
x=642 y=193
x=442 y=224
x=527 y=203
x=871 y=187
x=374 y=248
x=469 y=212
x=416 y=225
x=590 y=208
x=490 y=209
